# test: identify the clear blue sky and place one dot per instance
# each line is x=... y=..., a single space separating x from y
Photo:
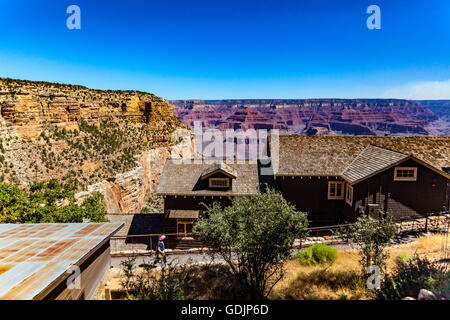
x=233 y=49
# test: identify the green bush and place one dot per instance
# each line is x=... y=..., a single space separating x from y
x=147 y=283
x=408 y=278
x=403 y=257
x=317 y=254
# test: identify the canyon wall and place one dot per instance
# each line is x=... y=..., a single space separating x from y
x=27 y=106
x=113 y=142
x=316 y=116
x=127 y=192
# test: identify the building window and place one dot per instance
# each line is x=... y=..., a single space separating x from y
x=335 y=190
x=219 y=182
x=405 y=174
x=184 y=225
x=349 y=195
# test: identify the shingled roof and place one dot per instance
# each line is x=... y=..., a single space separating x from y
x=331 y=155
x=370 y=161
x=219 y=166
x=180 y=178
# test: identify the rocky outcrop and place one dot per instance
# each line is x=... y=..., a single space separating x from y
x=27 y=106
x=126 y=192
x=113 y=142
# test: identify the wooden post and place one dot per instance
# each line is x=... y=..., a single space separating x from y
x=151 y=244
x=107 y=293
x=426 y=224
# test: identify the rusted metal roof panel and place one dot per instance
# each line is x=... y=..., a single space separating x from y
x=34 y=256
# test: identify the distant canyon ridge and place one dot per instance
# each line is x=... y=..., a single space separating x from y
x=320 y=116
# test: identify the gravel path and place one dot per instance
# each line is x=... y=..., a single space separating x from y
x=199 y=258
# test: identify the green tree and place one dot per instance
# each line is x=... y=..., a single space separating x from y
x=254 y=236
x=48 y=202
x=374 y=235
x=94 y=208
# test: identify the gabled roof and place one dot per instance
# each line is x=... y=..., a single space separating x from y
x=184 y=178
x=219 y=167
x=331 y=155
x=371 y=160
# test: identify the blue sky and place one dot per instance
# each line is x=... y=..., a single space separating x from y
x=233 y=49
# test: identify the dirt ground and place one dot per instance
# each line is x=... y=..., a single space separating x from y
x=340 y=281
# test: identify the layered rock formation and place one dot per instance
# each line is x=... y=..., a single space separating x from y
x=442 y=109
x=114 y=142
x=26 y=107
x=127 y=192
x=314 y=116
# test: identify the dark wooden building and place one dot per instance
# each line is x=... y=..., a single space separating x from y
x=332 y=178
x=187 y=185
x=336 y=178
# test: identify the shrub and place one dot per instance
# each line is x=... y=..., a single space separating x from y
x=408 y=278
x=403 y=257
x=317 y=254
x=166 y=283
x=253 y=236
x=374 y=236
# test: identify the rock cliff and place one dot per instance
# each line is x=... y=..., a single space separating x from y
x=115 y=142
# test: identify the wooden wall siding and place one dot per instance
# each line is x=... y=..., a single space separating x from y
x=311 y=196
x=401 y=198
x=92 y=270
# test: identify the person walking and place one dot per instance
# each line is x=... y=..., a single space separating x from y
x=160 y=247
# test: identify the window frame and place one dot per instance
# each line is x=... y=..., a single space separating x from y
x=414 y=178
x=348 y=191
x=340 y=197
x=184 y=222
x=219 y=179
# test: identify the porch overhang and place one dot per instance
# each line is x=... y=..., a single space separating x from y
x=184 y=214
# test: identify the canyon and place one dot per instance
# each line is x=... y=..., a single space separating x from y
x=320 y=116
x=116 y=142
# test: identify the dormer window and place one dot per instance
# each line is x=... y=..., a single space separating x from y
x=218 y=176
x=219 y=182
x=405 y=174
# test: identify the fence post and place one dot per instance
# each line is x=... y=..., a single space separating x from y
x=151 y=244
x=426 y=224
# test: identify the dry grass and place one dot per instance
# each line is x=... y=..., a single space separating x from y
x=343 y=279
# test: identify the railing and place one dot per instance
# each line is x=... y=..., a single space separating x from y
x=321 y=230
x=152 y=238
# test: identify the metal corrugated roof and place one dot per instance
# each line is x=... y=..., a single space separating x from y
x=34 y=256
